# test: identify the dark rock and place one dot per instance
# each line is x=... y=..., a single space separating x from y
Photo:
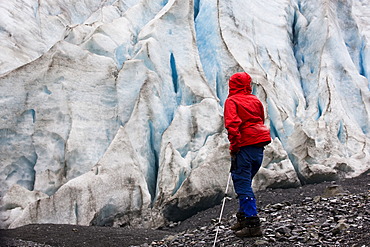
x=334 y=190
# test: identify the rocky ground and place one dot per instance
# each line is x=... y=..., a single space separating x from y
x=325 y=214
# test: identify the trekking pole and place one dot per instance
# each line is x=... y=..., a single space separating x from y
x=222 y=209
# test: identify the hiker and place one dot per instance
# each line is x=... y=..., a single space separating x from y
x=244 y=121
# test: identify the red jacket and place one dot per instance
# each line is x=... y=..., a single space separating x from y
x=244 y=115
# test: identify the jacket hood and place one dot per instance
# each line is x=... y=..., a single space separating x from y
x=240 y=83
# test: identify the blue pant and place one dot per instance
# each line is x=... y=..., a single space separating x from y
x=248 y=160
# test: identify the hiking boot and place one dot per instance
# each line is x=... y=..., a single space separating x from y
x=240 y=217
x=252 y=228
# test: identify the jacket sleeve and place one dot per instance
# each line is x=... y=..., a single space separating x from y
x=232 y=123
x=262 y=110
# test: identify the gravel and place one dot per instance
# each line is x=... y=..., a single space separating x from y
x=325 y=214
x=341 y=220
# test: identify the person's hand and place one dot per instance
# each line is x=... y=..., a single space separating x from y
x=232 y=154
x=233 y=161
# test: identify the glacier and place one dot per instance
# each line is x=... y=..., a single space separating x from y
x=112 y=111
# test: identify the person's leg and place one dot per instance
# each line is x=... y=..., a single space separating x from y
x=257 y=157
x=248 y=206
x=242 y=175
x=249 y=160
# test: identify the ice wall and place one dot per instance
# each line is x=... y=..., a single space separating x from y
x=112 y=110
